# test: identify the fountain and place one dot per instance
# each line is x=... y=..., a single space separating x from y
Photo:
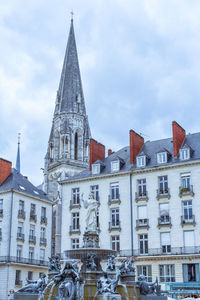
x=91 y=282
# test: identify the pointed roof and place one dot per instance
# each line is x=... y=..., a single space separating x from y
x=70 y=92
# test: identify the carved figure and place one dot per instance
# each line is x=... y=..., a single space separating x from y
x=127 y=267
x=54 y=264
x=111 y=263
x=90 y=264
x=107 y=285
x=122 y=268
x=148 y=288
x=130 y=268
x=91 y=218
x=34 y=286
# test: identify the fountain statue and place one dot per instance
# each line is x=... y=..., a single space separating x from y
x=91 y=218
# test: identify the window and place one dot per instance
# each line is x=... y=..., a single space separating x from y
x=115 y=166
x=30 y=275
x=98 y=219
x=188 y=237
x=0 y=230
x=32 y=231
x=142 y=214
x=141 y=161
x=42 y=254
x=143 y=243
x=115 y=217
x=167 y=273
x=96 y=169
x=21 y=205
x=163 y=184
x=164 y=213
x=76 y=196
x=162 y=157
x=75 y=243
x=190 y=272
x=142 y=188
x=165 y=242
x=18 y=277
x=184 y=154
x=42 y=232
x=76 y=146
x=43 y=212
x=187 y=210
x=19 y=251
x=114 y=190
x=115 y=242
x=31 y=253
x=185 y=181
x=1 y=204
x=95 y=190
x=20 y=230
x=75 y=221
x=145 y=270
x=33 y=209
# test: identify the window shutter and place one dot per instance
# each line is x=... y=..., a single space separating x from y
x=164 y=209
x=142 y=212
x=165 y=238
x=189 y=238
x=185 y=273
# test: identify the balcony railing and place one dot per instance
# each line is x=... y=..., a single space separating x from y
x=20 y=236
x=185 y=191
x=142 y=223
x=159 y=251
x=32 y=239
x=163 y=194
x=73 y=229
x=74 y=204
x=15 y=259
x=188 y=220
x=21 y=214
x=43 y=220
x=1 y=213
x=33 y=217
x=114 y=226
x=141 y=196
x=164 y=221
x=18 y=282
x=43 y=241
x=114 y=201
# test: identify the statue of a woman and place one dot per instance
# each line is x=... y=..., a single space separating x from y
x=91 y=218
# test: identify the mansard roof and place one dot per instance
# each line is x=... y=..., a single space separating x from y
x=17 y=182
x=151 y=149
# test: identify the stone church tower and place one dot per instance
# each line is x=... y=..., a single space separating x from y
x=68 y=146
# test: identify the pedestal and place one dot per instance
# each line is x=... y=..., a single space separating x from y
x=91 y=239
x=26 y=296
x=152 y=297
x=108 y=296
x=128 y=278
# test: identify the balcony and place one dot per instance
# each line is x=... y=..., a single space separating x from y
x=33 y=217
x=73 y=230
x=74 y=204
x=21 y=214
x=21 y=260
x=188 y=220
x=163 y=194
x=186 y=191
x=43 y=220
x=20 y=237
x=142 y=223
x=32 y=239
x=114 y=226
x=18 y=282
x=164 y=221
x=113 y=201
x=141 y=196
x=43 y=242
x=1 y=213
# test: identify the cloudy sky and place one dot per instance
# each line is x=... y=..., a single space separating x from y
x=140 y=67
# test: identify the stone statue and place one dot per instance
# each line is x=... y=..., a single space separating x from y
x=130 y=268
x=127 y=267
x=111 y=263
x=91 y=218
x=107 y=285
x=122 y=268
x=34 y=286
x=90 y=264
x=147 y=288
x=54 y=264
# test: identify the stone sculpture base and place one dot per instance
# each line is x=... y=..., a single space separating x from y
x=128 y=278
x=26 y=296
x=91 y=239
x=152 y=297
x=108 y=296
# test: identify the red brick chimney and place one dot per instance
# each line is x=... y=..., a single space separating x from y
x=97 y=152
x=178 y=137
x=110 y=152
x=136 y=143
x=5 y=169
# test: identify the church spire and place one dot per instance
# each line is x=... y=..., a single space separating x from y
x=18 y=154
x=70 y=98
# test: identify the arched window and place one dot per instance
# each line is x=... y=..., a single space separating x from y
x=76 y=146
x=51 y=151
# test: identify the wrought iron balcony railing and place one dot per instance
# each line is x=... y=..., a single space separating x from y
x=28 y=261
x=188 y=220
x=74 y=204
x=74 y=229
x=185 y=191
x=33 y=217
x=20 y=236
x=163 y=193
x=164 y=221
x=32 y=239
x=43 y=241
x=43 y=220
x=114 y=226
x=143 y=196
x=142 y=223
x=21 y=214
x=114 y=200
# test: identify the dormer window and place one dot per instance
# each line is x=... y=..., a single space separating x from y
x=95 y=169
x=115 y=166
x=162 y=157
x=184 y=154
x=141 y=161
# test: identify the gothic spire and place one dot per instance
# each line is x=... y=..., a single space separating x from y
x=18 y=154
x=70 y=96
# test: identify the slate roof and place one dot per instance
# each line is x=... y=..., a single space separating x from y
x=150 y=148
x=16 y=181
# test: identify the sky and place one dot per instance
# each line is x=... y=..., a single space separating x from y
x=139 y=62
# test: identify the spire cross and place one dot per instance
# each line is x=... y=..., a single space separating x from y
x=19 y=134
x=72 y=15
